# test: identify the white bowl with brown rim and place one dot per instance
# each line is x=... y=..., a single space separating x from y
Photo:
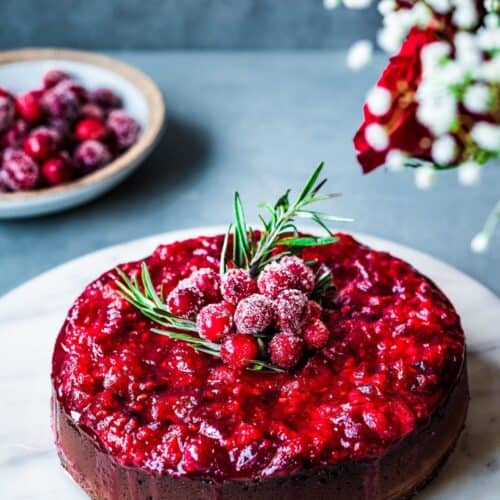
x=22 y=70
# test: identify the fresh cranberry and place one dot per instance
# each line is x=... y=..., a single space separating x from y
x=239 y=350
x=90 y=110
x=13 y=137
x=236 y=285
x=124 y=128
x=316 y=334
x=19 y=172
x=91 y=155
x=303 y=274
x=53 y=77
x=61 y=101
x=185 y=300
x=273 y=279
x=29 y=107
x=254 y=314
x=214 y=322
x=7 y=112
x=39 y=145
x=58 y=170
x=90 y=129
x=203 y=455
x=313 y=310
x=105 y=98
x=208 y=283
x=5 y=93
x=285 y=350
x=291 y=308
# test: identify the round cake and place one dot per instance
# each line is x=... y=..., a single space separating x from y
x=371 y=412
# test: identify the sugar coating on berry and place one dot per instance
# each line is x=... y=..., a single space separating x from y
x=303 y=274
x=253 y=314
x=90 y=110
x=105 y=98
x=7 y=112
x=19 y=172
x=13 y=137
x=214 y=322
x=316 y=334
x=285 y=350
x=207 y=280
x=61 y=101
x=124 y=128
x=53 y=77
x=273 y=279
x=185 y=300
x=239 y=350
x=236 y=285
x=91 y=155
x=291 y=307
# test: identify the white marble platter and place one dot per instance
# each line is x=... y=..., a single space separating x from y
x=31 y=315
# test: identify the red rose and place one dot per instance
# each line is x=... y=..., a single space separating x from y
x=401 y=77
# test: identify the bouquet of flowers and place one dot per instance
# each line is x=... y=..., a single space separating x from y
x=437 y=104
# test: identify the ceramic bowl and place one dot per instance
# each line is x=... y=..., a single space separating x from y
x=22 y=70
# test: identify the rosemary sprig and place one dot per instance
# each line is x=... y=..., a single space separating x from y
x=280 y=229
x=323 y=283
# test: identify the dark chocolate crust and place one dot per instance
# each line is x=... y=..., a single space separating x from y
x=406 y=467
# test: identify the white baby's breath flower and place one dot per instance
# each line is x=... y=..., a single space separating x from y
x=480 y=242
x=376 y=137
x=379 y=101
x=487 y=136
x=492 y=5
x=469 y=174
x=359 y=55
x=440 y=6
x=432 y=56
x=477 y=98
x=465 y=15
x=396 y=27
x=444 y=150
x=386 y=6
x=490 y=70
x=425 y=177
x=395 y=160
x=467 y=51
x=437 y=108
x=357 y=4
x=491 y=20
x=421 y=15
x=331 y=4
x=488 y=39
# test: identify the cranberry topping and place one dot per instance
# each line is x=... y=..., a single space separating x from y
x=394 y=352
x=207 y=281
x=238 y=350
x=214 y=322
x=274 y=279
x=303 y=275
x=316 y=334
x=291 y=308
x=185 y=300
x=285 y=350
x=236 y=285
x=254 y=314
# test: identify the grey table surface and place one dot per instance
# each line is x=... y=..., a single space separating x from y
x=257 y=123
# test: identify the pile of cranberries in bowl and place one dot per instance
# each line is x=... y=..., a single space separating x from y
x=60 y=132
x=271 y=317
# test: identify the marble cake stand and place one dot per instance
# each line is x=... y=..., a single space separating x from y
x=31 y=315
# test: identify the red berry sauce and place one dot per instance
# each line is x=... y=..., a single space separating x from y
x=395 y=349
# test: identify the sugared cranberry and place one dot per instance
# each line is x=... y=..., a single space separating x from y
x=29 y=107
x=62 y=126
x=7 y=112
x=214 y=322
x=61 y=101
x=105 y=98
x=13 y=137
x=239 y=350
x=208 y=283
x=291 y=308
x=90 y=110
x=302 y=273
x=124 y=128
x=254 y=314
x=273 y=279
x=58 y=170
x=90 y=129
x=316 y=334
x=40 y=143
x=236 y=285
x=19 y=172
x=185 y=300
x=53 y=77
x=285 y=350
x=91 y=155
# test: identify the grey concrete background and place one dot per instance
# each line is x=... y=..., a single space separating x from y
x=186 y=24
x=257 y=122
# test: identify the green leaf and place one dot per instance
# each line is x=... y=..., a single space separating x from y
x=307 y=241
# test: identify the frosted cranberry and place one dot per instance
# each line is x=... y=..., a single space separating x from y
x=3 y=187
x=39 y=144
x=89 y=129
x=62 y=127
x=91 y=155
x=13 y=137
x=61 y=101
x=302 y=273
x=236 y=285
x=239 y=350
x=90 y=110
x=285 y=350
x=74 y=87
x=105 y=98
x=316 y=334
x=7 y=112
x=53 y=77
x=291 y=309
x=185 y=300
x=214 y=322
x=124 y=128
x=29 y=107
x=273 y=279
x=19 y=172
x=208 y=283
x=58 y=170
x=253 y=314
